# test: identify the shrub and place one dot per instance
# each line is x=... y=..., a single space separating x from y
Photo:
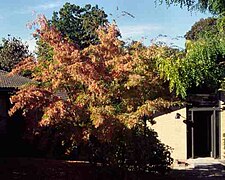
x=131 y=150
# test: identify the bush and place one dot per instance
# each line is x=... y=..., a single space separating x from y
x=131 y=150
x=112 y=148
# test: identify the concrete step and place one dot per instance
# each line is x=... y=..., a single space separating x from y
x=194 y=163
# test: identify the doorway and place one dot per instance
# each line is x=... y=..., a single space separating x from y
x=203 y=132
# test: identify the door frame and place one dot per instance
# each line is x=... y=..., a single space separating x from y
x=215 y=138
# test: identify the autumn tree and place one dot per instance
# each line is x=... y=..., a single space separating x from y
x=12 y=51
x=92 y=92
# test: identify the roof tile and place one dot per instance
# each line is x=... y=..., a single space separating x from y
x=13 y=81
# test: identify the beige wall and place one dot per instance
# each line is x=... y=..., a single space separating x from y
x=172 y=132
x=222 y=118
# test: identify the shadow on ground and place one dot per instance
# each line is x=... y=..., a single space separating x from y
x=46 y=169
x=30 y=168
x=204 y=171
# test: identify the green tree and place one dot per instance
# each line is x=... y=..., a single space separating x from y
x=213 y=6
x=12 y=51
x=79 y=24
x=200 y=68
x=204 y=27
x=207 y=53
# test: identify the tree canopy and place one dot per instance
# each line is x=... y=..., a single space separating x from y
x=204 y=27
x=202 y=63
x=213 y=6
x=12 y=51
x=79 y=24
x=200 y=67
x=102 y=80
x=76 y=24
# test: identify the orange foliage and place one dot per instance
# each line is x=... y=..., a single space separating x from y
x=102 y=83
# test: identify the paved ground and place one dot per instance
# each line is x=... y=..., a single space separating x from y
x=201 y=168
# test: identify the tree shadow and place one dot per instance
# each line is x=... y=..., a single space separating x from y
x=201 y=171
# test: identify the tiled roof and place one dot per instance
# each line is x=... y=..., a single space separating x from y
x=12 y=81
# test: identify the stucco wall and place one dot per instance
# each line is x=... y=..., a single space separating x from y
x=222 y=120
x=172 y=132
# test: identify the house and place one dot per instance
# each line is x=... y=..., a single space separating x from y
x=9 y=126
x=197 y=130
